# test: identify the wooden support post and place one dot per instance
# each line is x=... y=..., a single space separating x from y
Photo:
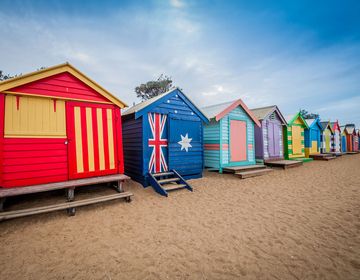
x=2 y=202
x=119 y=187
x=70 y=196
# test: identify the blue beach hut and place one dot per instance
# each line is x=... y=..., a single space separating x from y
x=229 y=137
x=313 y=137
x=163 y=142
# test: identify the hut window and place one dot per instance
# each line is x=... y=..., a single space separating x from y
x=272 y=116
x=35 y=117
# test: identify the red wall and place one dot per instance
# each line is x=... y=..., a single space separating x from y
x=29 y=161
x=2 y=115
x=61 y=85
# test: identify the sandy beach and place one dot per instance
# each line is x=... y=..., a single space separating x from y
x=302 y=223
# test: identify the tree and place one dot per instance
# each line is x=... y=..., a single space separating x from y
x=4 y=77
x=154 y=88
x=307 y=115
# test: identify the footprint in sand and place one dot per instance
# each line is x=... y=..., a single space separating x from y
x=355 y=264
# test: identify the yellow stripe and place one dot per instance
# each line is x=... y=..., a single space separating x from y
x=100 y=138
x=90 y=139
x=110 y=138
x=78 y=140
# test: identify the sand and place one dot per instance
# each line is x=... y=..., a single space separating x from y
x=302 y=223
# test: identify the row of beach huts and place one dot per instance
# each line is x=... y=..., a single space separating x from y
x=61 y=130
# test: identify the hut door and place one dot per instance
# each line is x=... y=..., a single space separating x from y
x=185 y=146
x=238 y=141
x=296 y=139
x=92 y=139
x=158 y=143
x=273 y=139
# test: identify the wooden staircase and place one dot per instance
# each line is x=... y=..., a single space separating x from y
x=248 y=171
x=164 y=182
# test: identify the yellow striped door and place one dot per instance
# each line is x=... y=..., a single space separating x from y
x=92 y=140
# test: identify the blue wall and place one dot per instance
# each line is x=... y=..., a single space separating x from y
x=181 y=120
x=133 y=148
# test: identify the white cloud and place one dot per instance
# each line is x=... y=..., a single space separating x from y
x=177 y=3
x=211 y=65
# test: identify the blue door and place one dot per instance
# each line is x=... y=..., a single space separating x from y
x=185 y=146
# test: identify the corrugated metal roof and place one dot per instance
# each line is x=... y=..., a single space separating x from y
x=214 y=110
x=263 y=112
x=310 y=121
x=145 y=103
x=288 y=118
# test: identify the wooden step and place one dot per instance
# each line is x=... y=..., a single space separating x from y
x=62 y=206
x=173 y=187
x=61 y=185
x=163 y=174
x=236 y=169
x=329 y=158
x=169 y=180
x=285 y=164
x=252 y=173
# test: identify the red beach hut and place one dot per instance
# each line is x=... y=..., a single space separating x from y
x=57 y=125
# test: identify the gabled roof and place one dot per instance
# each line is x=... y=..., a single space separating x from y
x=314 y=122
x=291 y=118
x=264 y=112
x=54 y=70
x=335 y=125
x=221 y=110
x=326 y=125
x=143 y=107
x=350 y=128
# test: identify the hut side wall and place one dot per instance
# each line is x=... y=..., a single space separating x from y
x=133 y=148
x=259 y=141
x=238 y=114
x=212 y=144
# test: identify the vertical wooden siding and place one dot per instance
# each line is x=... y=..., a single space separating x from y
x=61 y=85
x=27 y=116
x=92 y=139
x=264 y=128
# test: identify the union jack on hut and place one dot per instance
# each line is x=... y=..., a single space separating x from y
x=163 y=133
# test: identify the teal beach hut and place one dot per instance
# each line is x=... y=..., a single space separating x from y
x=229 y=139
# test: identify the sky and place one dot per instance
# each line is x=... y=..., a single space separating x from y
x=294 y=54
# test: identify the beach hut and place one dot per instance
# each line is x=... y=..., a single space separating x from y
x=269 y=140
x=326 y=137
x=229 y=139
x=163 y=141
x=356 y=141
x=58 y=126
x=350 y=133
x=343 y=140
x=294 y=137
x=312 y=137
x=336 y=141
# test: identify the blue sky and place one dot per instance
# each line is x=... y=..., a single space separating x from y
x=296 y=54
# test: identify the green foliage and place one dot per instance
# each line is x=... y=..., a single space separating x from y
x=307 y=115
x=154 y=88
x=4 y=77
